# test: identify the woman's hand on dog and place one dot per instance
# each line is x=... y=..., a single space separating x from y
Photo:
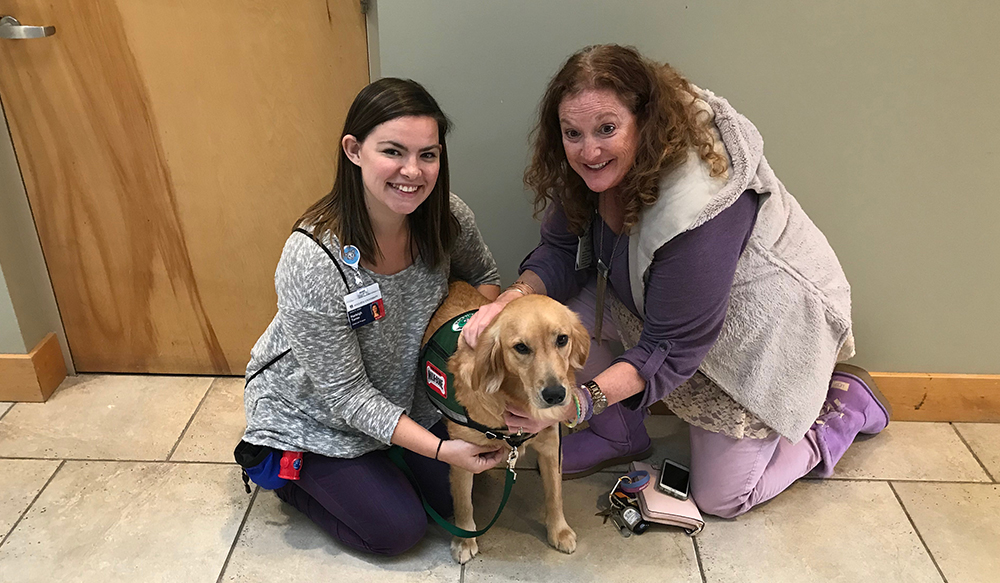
x=518 y=420
x=480 y=320
x=527 y=283
x=470 y=457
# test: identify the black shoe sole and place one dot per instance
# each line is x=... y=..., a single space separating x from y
x=869 y=382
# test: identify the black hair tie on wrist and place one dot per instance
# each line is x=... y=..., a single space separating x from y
x=438 y=452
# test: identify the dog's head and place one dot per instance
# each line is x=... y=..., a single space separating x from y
x=532 y=351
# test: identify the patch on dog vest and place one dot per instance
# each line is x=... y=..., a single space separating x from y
x=436 y=380
x=460 y=323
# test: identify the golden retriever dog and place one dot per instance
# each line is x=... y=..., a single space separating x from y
x=527 y=357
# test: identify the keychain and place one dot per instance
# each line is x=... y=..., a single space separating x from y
x=621 y=524
x=628 y=517
x=622 y=507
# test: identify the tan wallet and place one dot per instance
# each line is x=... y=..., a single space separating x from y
x=656 y=506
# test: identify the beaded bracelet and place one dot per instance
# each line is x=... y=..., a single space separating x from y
x=579 y=413
x=584 y=410
x=588 y=411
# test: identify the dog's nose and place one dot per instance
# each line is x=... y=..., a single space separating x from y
x=554 y=394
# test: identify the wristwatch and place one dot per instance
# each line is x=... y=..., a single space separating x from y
x=597 y=396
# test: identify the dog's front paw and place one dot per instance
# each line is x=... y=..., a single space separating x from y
x=563 y=538
x=463 y=549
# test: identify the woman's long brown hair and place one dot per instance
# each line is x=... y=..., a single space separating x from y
x=668 y=124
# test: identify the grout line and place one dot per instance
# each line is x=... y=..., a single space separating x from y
x=12 y=405
x=239 y=532
x=917 y=530
x=191 y=419
x=158 y=374
x=461 y=574
x=697 y=555
x=32 y=503
x=973 y=452
x=901 y=480
x=123 y=460
x=526 y=469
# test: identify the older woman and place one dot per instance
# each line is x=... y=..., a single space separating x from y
x=668 y=232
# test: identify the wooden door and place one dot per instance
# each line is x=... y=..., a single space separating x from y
x=167 y=147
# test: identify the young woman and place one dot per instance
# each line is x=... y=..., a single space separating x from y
x=357 y=284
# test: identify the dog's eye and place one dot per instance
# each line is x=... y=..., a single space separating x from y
x=562 y=340
x=522 y=348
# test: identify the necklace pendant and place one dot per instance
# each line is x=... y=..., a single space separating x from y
x=602 y=269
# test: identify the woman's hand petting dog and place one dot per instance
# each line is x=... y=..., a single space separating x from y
x=482 y=318
x=470 y=457
x=517 y=419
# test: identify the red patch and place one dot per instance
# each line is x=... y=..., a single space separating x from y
x=437 y=380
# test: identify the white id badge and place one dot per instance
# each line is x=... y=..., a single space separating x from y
x=364 y=306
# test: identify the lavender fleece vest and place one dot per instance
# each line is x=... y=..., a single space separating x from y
x=790 y=305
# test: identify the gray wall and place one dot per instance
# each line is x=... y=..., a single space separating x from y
x=28 y=309
x=880 y=117
x=10 y=333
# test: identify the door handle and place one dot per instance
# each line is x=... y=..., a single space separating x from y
x=11 y=28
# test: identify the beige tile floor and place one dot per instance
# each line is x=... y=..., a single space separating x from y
x=130 y=478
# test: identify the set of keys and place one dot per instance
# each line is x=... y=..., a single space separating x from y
x=623 y=508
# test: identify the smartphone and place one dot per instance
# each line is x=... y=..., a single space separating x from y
x=674 y=480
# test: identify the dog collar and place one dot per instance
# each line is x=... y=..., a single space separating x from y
x=440 y=384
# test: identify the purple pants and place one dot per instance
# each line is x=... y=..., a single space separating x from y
x=728 y=476
x=366 y=502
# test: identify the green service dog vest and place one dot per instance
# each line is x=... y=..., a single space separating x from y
x=439 y=382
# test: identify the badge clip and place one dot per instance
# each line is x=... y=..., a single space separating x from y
x=352 y=258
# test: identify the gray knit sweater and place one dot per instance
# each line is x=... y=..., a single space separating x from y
x=340 y=392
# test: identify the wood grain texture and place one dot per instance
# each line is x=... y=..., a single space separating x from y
x=941 y=397
x=19 y=380
x=32 y=377
x=167 y=148
x=50 y=368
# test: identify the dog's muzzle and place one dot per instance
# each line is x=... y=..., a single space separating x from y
x=554 y=394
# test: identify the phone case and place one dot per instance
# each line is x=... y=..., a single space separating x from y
x=660 y=488
x=656 y=506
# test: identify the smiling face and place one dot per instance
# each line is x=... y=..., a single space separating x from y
x=399 y=160
x=600 y=137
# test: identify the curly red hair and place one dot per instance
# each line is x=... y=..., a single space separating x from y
x=667 y=119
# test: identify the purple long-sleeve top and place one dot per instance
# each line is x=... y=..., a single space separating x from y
x=687 y=292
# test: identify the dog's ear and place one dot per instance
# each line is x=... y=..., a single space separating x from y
x=580 y=349
x=489 y=372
